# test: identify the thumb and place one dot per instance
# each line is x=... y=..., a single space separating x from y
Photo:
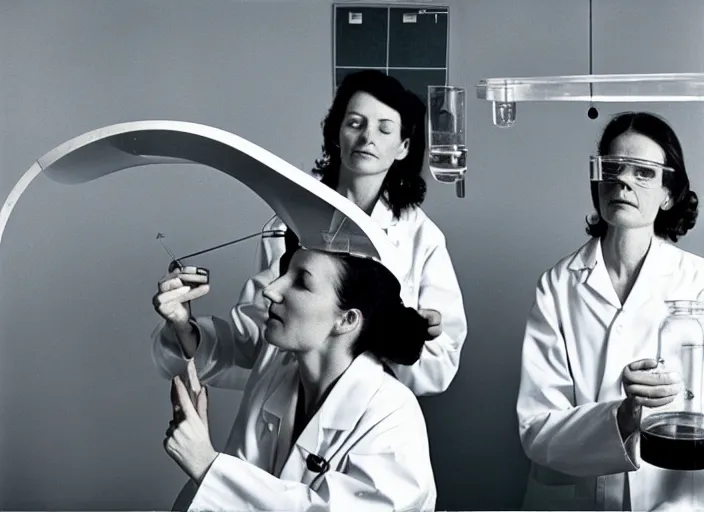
x=431 y=315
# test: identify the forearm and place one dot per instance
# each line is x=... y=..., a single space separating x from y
x=583 y=441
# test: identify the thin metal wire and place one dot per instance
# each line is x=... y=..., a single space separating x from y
x=273 y=233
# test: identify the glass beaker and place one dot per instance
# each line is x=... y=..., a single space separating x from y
x=672 y=436
x=447 y=149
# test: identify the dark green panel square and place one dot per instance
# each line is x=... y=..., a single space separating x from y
x=364 y=44
x=418 y=80
x=422 y=44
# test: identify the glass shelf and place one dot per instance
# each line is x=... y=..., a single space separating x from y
x=662 y=87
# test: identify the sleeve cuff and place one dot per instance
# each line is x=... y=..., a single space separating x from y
x=629 y=446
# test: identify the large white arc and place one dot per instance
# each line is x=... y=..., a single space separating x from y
x=306 y=205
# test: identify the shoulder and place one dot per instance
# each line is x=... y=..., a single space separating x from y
x=684 y=271
x=395 y=400
x=683 y=260
x=422 y=227
x=569 y=267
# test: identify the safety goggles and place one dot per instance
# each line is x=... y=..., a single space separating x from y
x=633 y=171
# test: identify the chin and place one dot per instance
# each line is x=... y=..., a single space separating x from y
x=623 y=220
x=365 y=169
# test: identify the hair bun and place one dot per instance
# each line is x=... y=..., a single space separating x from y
x=405 y=334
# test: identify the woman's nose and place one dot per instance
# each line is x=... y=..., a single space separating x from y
x=623 y=182
x=272 y=292
x=365 y=135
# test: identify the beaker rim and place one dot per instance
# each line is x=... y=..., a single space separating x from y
x=685 y=303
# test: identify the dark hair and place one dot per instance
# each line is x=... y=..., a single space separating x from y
x=404 y=187
x=681 y=217
x=390 y=330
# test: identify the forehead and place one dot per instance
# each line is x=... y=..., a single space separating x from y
x=636 y=145
x=318 y=263
x=367 y=105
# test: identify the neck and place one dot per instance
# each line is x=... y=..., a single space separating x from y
x=361 y=190
x=624 y=250
x=319 y=372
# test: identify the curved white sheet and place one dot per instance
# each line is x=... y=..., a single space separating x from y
x=322 y=218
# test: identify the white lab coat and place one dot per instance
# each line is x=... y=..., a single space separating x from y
x=370 y=429
x=577 y=341
x=430 y=283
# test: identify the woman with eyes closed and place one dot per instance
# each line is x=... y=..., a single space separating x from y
x=373 y=154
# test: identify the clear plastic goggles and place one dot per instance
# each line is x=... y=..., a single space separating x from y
x=633 y=171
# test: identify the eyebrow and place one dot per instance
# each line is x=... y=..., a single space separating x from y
x=358 y=114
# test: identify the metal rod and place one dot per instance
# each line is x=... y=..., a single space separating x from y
x=278 y=232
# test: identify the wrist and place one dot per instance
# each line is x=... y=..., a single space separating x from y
x=628 y=417
x=205 y=463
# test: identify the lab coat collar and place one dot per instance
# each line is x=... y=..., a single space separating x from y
x=346 y=403
x=347 y=400
x=590 y=260
x=590 y=255
x=383 y=215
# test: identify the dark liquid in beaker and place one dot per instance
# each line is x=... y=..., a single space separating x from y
x=670 y=445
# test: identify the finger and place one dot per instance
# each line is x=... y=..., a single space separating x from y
x=169 y=311
x=193 y=278
x=641 y=391
x=183 y=399
x=434 y=331
x=169 y=446
x=650 y=378
x=432 y=316
x=172 y=294
x=192 y=374
x=168 y=284
x=181 y=295
x=202 y=405
x=653 y=402
x=195 y=293
x=172 y=427
x=643 y=364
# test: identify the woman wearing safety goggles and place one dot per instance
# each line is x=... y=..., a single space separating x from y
x=587 y=367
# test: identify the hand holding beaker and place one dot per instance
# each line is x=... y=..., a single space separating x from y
x=646 y=384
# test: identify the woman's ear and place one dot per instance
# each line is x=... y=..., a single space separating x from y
x=403 y=149
x=348 y=321
x=667 y=203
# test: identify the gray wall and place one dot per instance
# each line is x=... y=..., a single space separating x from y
x=83 y=410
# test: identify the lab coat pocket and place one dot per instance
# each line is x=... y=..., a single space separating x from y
x=549 y=490
x=540 y=496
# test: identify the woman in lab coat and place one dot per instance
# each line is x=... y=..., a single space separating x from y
x=322 y=425
x=373 y=153
x=588 y=363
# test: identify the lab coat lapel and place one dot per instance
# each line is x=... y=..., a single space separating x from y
x=340 y=412
x=398 y=233
x=590 y=260
x=279 y=410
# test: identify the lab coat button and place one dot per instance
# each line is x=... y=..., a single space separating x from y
x=270 y=427
x=360 y=494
